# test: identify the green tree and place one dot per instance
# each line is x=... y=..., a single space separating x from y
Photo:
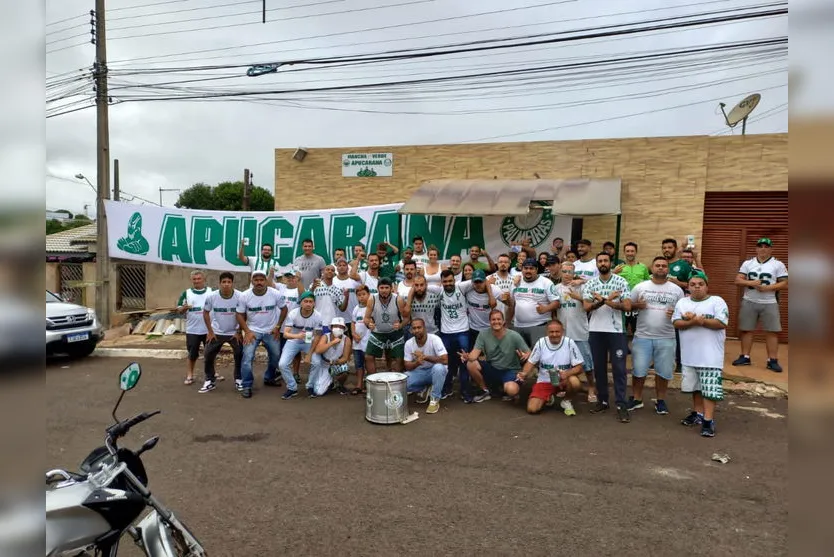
x=226 y=196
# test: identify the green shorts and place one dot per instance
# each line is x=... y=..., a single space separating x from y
x=706 y=380
x=379 y=343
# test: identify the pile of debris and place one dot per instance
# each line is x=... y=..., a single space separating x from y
x=155 y=322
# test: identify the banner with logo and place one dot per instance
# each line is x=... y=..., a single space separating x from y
x=212 y=239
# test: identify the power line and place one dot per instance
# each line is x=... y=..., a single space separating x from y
x=354 y=32
x=146 y=5
x=609 y=119
x=761 y=116
x=407 y=3
x=612 y=61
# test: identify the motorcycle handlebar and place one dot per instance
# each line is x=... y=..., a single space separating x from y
x=122 y=428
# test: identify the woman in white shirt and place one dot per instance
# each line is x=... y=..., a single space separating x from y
x=432 y=268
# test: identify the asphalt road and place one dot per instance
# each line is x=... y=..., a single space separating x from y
x=312 y=477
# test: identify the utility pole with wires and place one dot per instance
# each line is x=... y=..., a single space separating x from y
x=246 y=188
x=103 y=167
x=115 y=179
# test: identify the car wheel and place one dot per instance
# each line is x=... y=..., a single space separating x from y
x=82 y=350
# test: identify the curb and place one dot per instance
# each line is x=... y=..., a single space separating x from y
x=140 y=353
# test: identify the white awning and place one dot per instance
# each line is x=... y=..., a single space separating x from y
x=572 y=197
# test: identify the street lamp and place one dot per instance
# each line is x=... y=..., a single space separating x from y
x=80 y=176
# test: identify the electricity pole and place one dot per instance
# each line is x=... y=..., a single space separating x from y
x=245 y=189
x=103 y=169
x=115 y=179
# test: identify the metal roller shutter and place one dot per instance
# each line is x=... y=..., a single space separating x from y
x=732 y=224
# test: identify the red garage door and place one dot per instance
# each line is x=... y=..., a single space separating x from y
x=732 y=224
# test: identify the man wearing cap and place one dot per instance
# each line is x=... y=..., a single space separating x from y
x=260 y=312
x=481 y=298
x=554 y=268
x=535 y=299
x=425 y=362
x=762 y=277
x=302 y=329
x=702 y=321
x=292 y=293
x=333 y=353
x=385 y=317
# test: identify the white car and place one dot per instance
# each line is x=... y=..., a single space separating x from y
x=70 y=328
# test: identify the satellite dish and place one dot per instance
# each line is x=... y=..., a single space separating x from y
x=741 y=111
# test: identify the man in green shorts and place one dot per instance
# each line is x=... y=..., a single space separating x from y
x=634 y=272
x=385 y=317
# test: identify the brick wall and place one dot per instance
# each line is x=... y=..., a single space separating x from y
x=664 y=179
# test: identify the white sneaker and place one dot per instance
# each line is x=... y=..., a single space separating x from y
x=239 y=385
x=567 y=406
x=207 y=386
x=434 y=406
x=551 y=401
x=423 y=396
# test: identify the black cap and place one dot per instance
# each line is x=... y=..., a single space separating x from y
x=530 y=262
x=552 y=260
x=384 y=281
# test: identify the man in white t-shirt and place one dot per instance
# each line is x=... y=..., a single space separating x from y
x=302 y=329
x=260 y=312
x=343 y=281
x=454 y=332
x=535 y=300
x=265 y=262
x=606 y=297
x=220 y=317
x=702 y=321
x=191 y=304
x=369 y=277
x=330 y=299
x=423 y=301
x=333 y=353
x=575 y=320
x=585 y=268
x=654 y=335
x=763 y=278
x=503 y=279
x=558 y=362
x=292 y=293
x=481 y=299
x=426 y=364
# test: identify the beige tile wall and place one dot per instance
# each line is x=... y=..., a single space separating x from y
x=664 y=179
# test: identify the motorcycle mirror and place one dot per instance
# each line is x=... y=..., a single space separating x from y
x=148 y=445
x=128 y=379
x=129 y=376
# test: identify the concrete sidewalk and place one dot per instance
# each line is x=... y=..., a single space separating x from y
x=173 y=347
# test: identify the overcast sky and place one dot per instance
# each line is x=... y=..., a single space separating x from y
x=173 y=144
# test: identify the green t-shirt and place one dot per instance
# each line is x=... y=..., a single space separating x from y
x=635 y=274
x=681 y=270
x=386 y=266
x=501 y=353
x=480 y=264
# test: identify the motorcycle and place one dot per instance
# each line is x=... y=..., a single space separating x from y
x=87 y=513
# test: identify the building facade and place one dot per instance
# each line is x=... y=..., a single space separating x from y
x=723 y=190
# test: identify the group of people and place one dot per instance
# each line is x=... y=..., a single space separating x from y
x=556 y=316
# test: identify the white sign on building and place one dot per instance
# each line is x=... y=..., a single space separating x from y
x=367 y=165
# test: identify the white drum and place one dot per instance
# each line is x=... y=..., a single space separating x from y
x=387 y=398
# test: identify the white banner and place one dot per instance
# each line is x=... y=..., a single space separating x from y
x=367 y=165
x=211 y=239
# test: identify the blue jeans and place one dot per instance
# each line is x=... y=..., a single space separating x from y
x=421 y=378
x=273 y=350
x=454 y=342
x=291 y=349
x=661 y=350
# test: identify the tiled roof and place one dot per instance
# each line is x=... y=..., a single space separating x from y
x=74 y=240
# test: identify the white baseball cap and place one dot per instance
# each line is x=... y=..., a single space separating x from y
x=337 y=321
x=258 y=272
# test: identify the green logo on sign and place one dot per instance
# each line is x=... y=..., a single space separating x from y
x=366 y=172
x=134 y=242
x=535 y=225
